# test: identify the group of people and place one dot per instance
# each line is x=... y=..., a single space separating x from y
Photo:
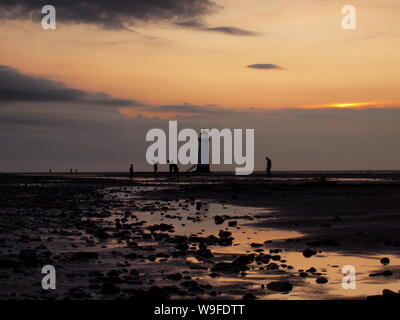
x=173 y=173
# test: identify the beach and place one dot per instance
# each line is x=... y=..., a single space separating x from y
x=214 y=236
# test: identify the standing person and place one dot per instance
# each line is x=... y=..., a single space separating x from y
x=131 y=172
x=269 y=167
x=155 y=171
x=176 y=171
x=170 y=170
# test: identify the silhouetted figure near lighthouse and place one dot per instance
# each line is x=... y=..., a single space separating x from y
x=175 y=171
x=170 y=170
x=131 y=172
x=269 y=167
x=155 y=167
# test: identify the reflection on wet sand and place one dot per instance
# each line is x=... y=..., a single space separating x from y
x=258 y=239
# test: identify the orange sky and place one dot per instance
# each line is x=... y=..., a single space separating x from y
x=324 y=64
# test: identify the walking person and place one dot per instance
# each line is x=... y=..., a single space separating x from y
x=269 y=167
x=175 y=171
x=131 y=172
x=170 y=170
x=155 y=168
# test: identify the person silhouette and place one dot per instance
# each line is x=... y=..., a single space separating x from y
x=175 y=171
x=170 y=170
x=155 y=166
x=269 y=167
x=131 y=172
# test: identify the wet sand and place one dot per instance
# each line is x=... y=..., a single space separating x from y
x=209 y=237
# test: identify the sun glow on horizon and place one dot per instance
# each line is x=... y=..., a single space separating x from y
x=354 y=105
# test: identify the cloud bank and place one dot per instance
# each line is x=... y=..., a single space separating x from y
x=19 y=87
x=116 y=14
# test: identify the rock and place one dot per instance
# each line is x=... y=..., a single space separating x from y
x=387 y=292
x=219 y=220
x=28 y=256
x=224 y=234
x=276 y=258
x=78 y=293
x=244 y=260
x=225 y=267
x=263 y=258
x=385 y=261
x=312 y=270
x=161 y=227
x=95 y=274
x=9 y=264
x=232 y=223
x=84 y=255
x=321 y=280
x=386 y=295
x=182 y=247
x=109 y=288
x=174 y=276
x=101 y=234
x=157 y=293
x=113 y=273
x=249 y=296
x=309 y=252
x=387 y=273
x=272 y=266
x=281 y=286
x=205 y=253
x=256 y=245
x=134 y=272
x=325 y=243
x=225 y=242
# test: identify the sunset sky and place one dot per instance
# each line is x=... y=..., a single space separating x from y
x=319 y=96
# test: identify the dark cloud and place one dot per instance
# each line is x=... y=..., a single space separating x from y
x=221 y=29
x=265 y=66
x=115 y=14
x=18 y=87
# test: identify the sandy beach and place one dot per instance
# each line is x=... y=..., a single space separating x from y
x=208 y=237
